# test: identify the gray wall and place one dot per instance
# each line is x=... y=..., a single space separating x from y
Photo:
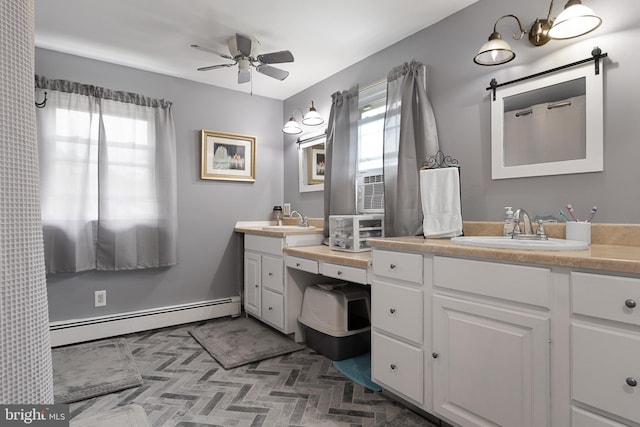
x=210 y=252
x=456 y=89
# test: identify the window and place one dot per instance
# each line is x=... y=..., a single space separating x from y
x=108 y=179
x=371 y=106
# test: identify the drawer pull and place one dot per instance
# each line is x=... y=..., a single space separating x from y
x=434 y=355
x=392 y=266
x=631 y=382
x=392 y=310
x=393 y=367
x=630 y=303
x=297 y=264
x=339 y=272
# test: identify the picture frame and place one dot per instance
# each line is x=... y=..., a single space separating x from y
x=315 y=164
x=228 y=156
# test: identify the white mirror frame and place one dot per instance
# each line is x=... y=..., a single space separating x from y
x=302 y=165
x=593 y=161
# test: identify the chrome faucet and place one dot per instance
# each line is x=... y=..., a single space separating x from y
x=528 y=228
x=302 y=220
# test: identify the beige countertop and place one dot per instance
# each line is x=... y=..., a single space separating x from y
x=256 y=228
x=615 y=247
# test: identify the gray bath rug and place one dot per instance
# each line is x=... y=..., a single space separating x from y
x=86 y=370
x=236 y=342
x=127 y=416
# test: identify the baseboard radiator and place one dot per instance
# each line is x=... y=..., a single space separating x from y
x=79 y=330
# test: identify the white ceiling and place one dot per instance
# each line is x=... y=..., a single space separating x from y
x=155 y=35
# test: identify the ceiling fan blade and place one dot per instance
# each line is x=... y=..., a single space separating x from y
x=213 y=67
x=244 y=76
x=274 y=72
x=206 y=49
x=244 y=45
x=276 y=57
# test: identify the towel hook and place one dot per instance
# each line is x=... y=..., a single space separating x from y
x=43 y=103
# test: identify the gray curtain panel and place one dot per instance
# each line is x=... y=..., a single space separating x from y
x=410 y=136
x=341 y=150
x=26 y=375
x=108 y=178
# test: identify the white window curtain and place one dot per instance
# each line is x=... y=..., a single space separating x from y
x=108 y=178
x=341 y=156
x=410 y=136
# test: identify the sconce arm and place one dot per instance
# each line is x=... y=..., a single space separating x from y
x=515 y=37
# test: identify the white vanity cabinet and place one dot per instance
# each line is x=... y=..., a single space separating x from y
x=398 y=325
x=266 y=294
x=605 y=350
x=491 y=328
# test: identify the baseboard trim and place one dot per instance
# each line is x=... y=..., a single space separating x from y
x=80 y=330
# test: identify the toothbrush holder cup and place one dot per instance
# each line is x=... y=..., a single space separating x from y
x=579 y=230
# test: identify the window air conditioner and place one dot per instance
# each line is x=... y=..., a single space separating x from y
x=370 y=193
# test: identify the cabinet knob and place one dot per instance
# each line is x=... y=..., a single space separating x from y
x=630 y=303
x=392 y=310
x=297 y=264
x=339 y=272
x=631 y=382
x=392 y=266
x=434 y=355
x=270 y=274
x=393 y=366
x=257 y=286
x=270 y=308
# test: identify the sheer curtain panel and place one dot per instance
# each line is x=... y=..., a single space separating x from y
x=108 y=178
x=341 y=161
x=410 y=136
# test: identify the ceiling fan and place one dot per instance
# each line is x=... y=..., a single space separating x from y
x=243 y=52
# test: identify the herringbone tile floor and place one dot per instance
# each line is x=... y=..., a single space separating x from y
x=185 y=387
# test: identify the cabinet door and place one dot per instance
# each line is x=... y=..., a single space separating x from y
x=491 y=364
x=252 y=283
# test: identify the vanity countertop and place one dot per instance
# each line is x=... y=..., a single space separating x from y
x=614 y=247
x=256 y=227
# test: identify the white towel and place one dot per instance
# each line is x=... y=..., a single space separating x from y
x=440 y=194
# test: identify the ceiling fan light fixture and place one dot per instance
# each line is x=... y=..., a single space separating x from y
x=312 y=118
x=292 y=127
x=574 y=21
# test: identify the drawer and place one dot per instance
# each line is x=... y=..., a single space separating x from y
x=398 y=310
x=343 y=272
x=397 y=265
x=519 y=283
x=607 y=297
x=398 y=366
x=273 y=308
x=270 y=245
x=582 y=418
x=273 y=273
x=303 y=264
x=602 y=359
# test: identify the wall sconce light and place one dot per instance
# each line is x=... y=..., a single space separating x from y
x=574 y=21
x=312 y=118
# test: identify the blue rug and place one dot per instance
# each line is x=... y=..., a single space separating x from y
x=358 y=369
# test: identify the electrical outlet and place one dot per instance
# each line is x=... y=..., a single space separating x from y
x=286 y=209
x=100 y=298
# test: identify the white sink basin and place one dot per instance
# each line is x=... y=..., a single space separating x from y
x=289 y=228
x=507 y=242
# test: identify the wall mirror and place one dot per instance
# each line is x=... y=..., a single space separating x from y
x=311 y=163
x=549 y=125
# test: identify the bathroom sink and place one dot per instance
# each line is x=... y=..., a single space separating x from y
x=507 y=242
x=289 y=228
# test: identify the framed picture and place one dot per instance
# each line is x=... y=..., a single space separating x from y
x=315 y=164
x=227 y=156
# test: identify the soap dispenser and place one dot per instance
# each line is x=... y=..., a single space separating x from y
x=507 y=229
